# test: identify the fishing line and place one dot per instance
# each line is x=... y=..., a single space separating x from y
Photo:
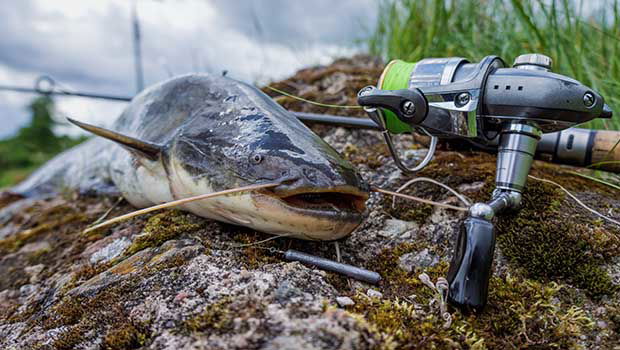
x=426 y=179
x=417 y=199
x=105 y=215
x=257 y=243
x=576 y=199
x=312 y=102
x=179 y=202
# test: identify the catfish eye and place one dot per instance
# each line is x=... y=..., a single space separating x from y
x=256 y=158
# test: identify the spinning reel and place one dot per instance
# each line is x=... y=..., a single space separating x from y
x=490 y=105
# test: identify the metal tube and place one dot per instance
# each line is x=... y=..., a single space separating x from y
x=333 y=266
x=347 y=122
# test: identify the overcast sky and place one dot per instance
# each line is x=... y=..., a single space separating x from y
x=86 y=44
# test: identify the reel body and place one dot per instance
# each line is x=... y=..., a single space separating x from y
x=505 y=108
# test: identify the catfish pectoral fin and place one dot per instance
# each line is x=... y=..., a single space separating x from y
x=143 y=148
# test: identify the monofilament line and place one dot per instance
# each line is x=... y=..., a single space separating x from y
x=180 y=202
x=418 y=199
x=576 y=200
x=312 y=102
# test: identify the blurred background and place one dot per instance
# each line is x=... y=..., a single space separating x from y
x=117 y=47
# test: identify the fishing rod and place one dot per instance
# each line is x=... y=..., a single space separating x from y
x=572 y=146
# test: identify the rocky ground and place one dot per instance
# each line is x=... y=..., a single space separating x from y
x=172 y=280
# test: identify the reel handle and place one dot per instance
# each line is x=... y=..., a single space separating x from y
x=409 y=105
x=470 y=269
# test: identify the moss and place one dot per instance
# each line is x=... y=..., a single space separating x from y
x=226 y=315
x=83 y=274
x=338 y=281
x=405 y=210
x=521 y=314
x=86 y=316
x=125 y=336
x=68 y=312
x=256 y=247
x=550 y=242
x=450 y=168
x=372 y=156
x=170 y=263
x=163 y=227
x=400 y=322
x=397 y=282
x=69 y=339
x=215 y=317
x=530 y=314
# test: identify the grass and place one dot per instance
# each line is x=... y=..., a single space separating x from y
x=33 y=145
x=583 y=40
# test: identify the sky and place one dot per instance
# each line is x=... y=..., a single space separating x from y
x=86 y=45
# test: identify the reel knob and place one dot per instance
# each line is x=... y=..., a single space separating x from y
x=471 y=266
x=534 y=61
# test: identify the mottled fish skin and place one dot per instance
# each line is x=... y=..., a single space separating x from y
x=216 y=133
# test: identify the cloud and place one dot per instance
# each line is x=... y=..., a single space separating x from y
x=87 y=45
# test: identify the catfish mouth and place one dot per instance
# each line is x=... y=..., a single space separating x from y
x=345 y=201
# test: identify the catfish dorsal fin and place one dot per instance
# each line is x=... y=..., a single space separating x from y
x=144 y=148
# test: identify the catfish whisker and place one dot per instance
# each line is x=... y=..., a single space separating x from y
x=179 y=202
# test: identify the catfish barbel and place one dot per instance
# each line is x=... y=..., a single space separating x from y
x=203 y=133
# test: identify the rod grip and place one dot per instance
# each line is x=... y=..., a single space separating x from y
x=603 y=150
x=470 y=269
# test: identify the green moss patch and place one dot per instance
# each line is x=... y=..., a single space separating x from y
x=163 y=227
x=126 y=336
x=103 y=313
x=219 y=318
x=548 y=239
x=521 y=314
x=397 y=282
x=214 y=318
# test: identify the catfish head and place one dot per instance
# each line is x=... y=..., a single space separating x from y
x=237 y=137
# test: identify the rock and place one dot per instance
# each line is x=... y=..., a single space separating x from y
x=344 y=301
x=424 y=258
x=34 y=272
x=470 y=187
x=396 y=228
x=26 y=290
x=374 y=293
x=415 y=155
x=111 y=251
x=35 y=247
x=286 y=291
x=180 y=297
